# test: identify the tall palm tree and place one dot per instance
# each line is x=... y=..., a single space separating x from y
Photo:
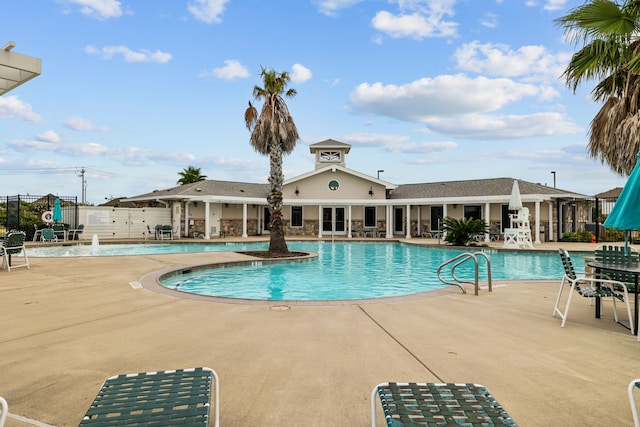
x=609 y=33
x=190 y=174
x=273 y=133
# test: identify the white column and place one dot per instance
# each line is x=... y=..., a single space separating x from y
x=186 y=219
x=408 y=221
x=419 y=221
x=207 y=227
x=319 y=221
x=349 y=221
x=487 y=215
x=389 y=220
x=444 y=215
x=537 y=210
x=244 y=220
x=551 y=238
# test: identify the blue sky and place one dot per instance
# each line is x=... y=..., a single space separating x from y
x=134 y=91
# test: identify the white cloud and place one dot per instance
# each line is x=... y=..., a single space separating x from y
x=490 y=20
x=300 y=73
x=417 y=19
x=108 y=52
x=555 y=5
x=13 y=107
x=232 y=69
x=443 y=95
x=208 y=11
x=48 y=136
x=331 y=7
x=494 y=127
x=500 y=60
x=101 y=9
x=396 y=143
x=81 y=124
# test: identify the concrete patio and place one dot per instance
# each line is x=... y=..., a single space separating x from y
x=69 y=323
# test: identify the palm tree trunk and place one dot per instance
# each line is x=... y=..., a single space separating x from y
x=277 y=242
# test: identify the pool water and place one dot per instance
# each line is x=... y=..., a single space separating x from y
x=354 y=270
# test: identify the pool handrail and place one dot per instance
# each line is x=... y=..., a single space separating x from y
x=462 y=258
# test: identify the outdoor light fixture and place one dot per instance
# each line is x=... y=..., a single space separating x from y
x=380 y=170
x=554 y=178
x=370 y=191
x=297 y=191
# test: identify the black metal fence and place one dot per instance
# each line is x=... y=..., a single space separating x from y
x=28 y=212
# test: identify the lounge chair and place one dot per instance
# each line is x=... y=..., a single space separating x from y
x=632 y=401
x=48 y=235
x=13 y=244
x=36 y=233
x=75 y=233
x=164 y=398
x=431 y=404
x=61 y=232
x=588 y=286
x=5 y=411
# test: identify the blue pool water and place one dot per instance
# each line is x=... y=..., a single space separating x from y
x=354 y=270
x=342 y=271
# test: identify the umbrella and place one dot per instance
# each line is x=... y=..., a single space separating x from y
x=625 y=214
x=57 y=211
x=515 y=203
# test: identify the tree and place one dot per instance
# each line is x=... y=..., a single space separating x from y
x=459 y=232
x=610 y=54
x=273 y=133
x=190 y=174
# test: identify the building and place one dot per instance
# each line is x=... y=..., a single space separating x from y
x=333 y=200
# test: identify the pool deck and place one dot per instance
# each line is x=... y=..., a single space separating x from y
x=70 y=323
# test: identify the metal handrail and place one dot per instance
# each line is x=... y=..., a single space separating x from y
x=461 y=259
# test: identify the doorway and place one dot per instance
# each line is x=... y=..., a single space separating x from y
x=333 y=220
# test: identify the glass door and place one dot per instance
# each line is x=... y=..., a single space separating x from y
x=333 y=220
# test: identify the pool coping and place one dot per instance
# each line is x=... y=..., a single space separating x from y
x=151 y=282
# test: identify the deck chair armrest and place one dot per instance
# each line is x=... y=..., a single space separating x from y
x=608 y=283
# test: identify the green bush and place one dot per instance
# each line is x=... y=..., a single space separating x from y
x=459 y=232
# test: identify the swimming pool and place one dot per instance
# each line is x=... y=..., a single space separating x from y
x=357 y=270
x=342 y=271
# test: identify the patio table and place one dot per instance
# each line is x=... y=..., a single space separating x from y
x=632 y=268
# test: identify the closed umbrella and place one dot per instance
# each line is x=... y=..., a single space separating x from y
x=57 y=211
x=625 y=214
x=515 y=202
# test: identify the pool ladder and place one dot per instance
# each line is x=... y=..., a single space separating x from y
x=461 y=259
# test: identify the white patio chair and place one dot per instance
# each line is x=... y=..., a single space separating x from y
x=632 y=401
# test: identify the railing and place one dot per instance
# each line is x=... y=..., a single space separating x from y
x=461 y=259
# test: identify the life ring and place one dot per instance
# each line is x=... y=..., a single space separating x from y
x=47 y=216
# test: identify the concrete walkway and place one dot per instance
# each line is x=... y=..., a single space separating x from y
x=69 y=323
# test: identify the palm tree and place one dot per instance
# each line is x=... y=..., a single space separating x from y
x=191 y=174
x=459 y=232
x=609 y=34
x=273 y=133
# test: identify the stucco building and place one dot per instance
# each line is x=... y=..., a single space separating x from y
x=333 y=200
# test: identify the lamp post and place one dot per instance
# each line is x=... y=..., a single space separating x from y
x=380 y=170
x=554 y=178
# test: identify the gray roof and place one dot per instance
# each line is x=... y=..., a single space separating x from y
x=209 y=187
x=330 y=143
x=472 y=188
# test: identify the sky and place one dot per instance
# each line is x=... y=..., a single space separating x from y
x=134 y=91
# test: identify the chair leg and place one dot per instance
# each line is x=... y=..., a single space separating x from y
x=634 y=409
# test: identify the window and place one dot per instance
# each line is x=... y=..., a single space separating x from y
x=473 y=212
x=296 y=216
x=437 y=217
x=369 y=216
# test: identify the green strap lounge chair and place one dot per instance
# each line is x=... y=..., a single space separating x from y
x=13 y=245
x=431 y=404
x=588 y=286
x=164 y=398
x=632 y=401
x=48 y=235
